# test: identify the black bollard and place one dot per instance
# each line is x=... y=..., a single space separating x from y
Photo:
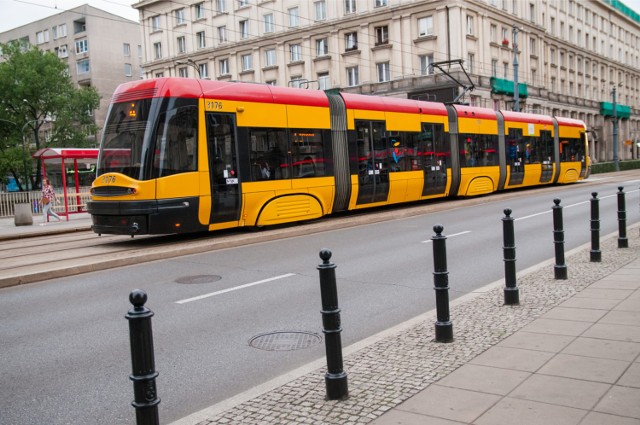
x=142 y=360
x=511 y=291
x=623 y=242
x=336 y=378
x=560 y=268
x=595 y=254
x=444 y=327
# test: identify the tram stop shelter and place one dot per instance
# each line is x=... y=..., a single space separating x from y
x=73 y=169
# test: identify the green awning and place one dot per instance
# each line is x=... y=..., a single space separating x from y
x=622 y=111
x=503 y=86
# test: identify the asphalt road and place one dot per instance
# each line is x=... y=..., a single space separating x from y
x=65 y=350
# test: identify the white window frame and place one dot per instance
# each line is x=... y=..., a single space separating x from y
x=268 y=23
x=351 y=41
x=157 y=50
x=425 y=26
x=179 y=16
x=83 y=66
x=294 y=17
x=127 y=70
x=322 y=47
x=223 y=66
x=425 y=64
x=204 y=70
x=182 y=44
x=222 y=34
x=82 y=46
x=200 y=11
x=155 y=23
x=380 y=3
x=295 y=52
x=126 y=49
x=183 y=72
x=244 y=29
x=349 y=6
x=352 y=76
x=247 y=62
x=221 y=6
x=62 y=30
x=383 y=69
x=382 y=35
x=320 y=8
x=201 y=39
x=324 y=82
x=270 y=57
x=470 y=25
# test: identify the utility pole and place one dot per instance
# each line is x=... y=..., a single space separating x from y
x=615 y=130
x=516 y=92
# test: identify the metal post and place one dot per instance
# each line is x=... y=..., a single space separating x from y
x=511 y=291
x=335 y=378
x=443 y=325
x=595 y=254
x=560 y=268
x=623 y=242
x=615 y=131
x=516 y=88
x=142 y=360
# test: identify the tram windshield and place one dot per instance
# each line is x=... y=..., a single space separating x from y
x=150 y=138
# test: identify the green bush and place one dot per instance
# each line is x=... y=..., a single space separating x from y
x=608 y=167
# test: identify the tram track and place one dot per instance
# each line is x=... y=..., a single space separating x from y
x=37 y=258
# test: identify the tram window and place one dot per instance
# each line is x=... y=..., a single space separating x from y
x=176 y=141
x=268 y=154
x=307 y=153
x=517 y=147
x=433 y=148
x=571 y=149
x=478 y=150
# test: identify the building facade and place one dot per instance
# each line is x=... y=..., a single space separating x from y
x=570 y=55
x=101 y=50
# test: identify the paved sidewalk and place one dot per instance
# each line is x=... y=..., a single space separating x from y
x=568 y=354
x=76 y=222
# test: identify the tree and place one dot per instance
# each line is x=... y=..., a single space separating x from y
x=38 y=92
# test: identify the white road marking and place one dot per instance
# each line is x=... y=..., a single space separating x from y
x=449 y=236
x=235 y=288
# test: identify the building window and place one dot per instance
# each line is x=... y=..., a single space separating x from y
x=493 y=33
x=380 y=3
x=268 y=23
x=532 y=12
x=247 y=62
x=470 y=63
x=294 y=17
x=42 y=36
x=505 y=69
x=244 y=29
x=243 y=3
x=425 y=64
x=321 y=10
x=221 y=6
x=82 y=46
x=323 y=81
x=178 y=14
x=54 y=32
x=384 y=74
x=270 y=57
x=382 y=35
x=352 y=76
x=201 y=40
x=82 y=66
x=159 y=74
x=470 y=25
x=183 y=72
x=351 y=41
x=182 y=44
x=204 y=70
x=127 y=70
x=349 y=6
x=62 y=30
x=157 y=50
x=271 y=82
x=296 y=82
x=222 y=34
x=155 y=23
x=321 y=47
x=224 y=66
x=532 y=46
x=425 y=26
x=296 y=52
x=61 y=51
x=126 y=49
x=199 y=10
x=494 y=67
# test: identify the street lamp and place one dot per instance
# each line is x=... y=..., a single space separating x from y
x=615 y=128
x=516 y=91
x=191 y=63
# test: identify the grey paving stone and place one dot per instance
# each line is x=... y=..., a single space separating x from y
x=510 y=411
x=587 y=368
x=603 y=348
x=631 y=318
x=399 y=417
x=590 y=303
x=576 y=314
x=561 y=391
x=486 y=379
x=537 y=341
x=604 y=294
x=595 y=418
x=630 y=304
x=617 y=332
x=623 y=401
x=557 y=327
x=512 y=358
x=631 y=377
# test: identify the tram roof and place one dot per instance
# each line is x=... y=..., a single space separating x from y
x=392 y=104
x=525 y=117
x=570 y=122
x=465 y=111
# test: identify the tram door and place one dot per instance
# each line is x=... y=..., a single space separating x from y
x=373 y=160
x=516 y=151
x=223 y=168
x=546 y=156
x=435 y=152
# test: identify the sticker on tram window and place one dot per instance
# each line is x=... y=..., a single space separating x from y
x=212 y=105
x=232 y=181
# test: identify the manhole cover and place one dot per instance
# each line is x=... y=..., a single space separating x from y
x=203 y=278
x=285 y=340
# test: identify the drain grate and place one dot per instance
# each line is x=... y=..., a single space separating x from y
x=285 y=340
x=202 y=278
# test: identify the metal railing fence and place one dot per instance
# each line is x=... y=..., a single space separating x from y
x=77 y=201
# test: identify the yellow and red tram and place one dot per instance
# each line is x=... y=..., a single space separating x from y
x=184 y=155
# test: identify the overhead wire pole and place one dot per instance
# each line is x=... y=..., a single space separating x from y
x=516 y=92
x=615 y=131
